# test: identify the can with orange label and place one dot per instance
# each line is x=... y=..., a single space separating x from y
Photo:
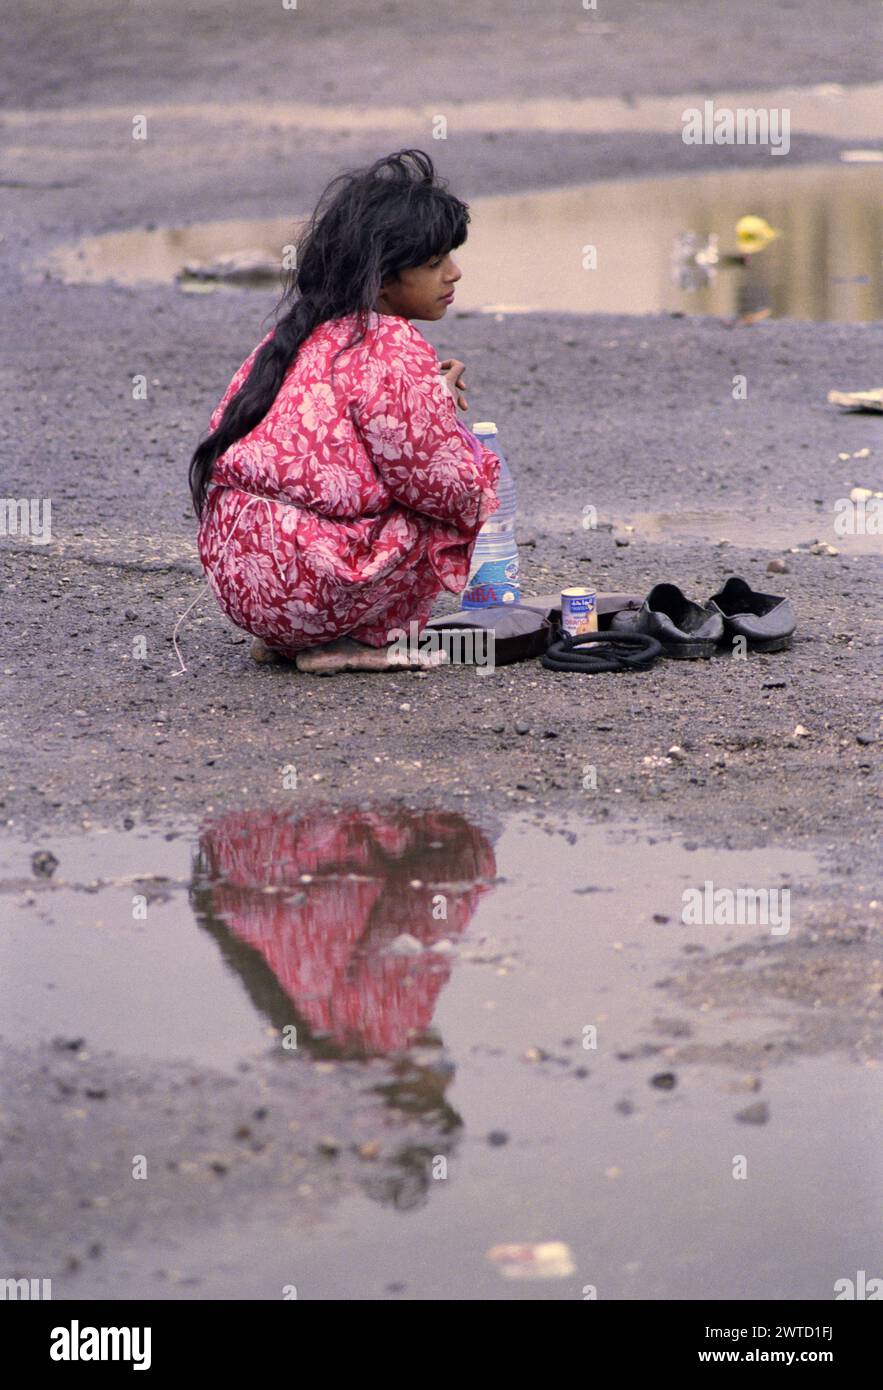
x=579 y=611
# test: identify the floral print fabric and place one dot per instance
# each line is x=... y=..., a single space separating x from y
x=356 y=499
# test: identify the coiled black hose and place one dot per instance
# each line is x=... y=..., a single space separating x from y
x=614 y=651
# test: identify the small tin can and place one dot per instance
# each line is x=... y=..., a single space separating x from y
x=579 y=611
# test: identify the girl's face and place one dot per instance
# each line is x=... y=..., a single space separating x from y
x=422 y=292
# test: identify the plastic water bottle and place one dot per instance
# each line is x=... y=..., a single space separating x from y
x=493 y=577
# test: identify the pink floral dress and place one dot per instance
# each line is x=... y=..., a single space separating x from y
x=355 y=501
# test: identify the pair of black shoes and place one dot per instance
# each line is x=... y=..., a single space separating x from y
x=688 y=630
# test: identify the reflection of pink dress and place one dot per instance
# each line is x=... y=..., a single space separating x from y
x=328 y=951
x=355 y=500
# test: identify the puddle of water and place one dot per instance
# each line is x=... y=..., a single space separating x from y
x=525 y=251
x=267 y=910
x=752 y=530
x=259 y=919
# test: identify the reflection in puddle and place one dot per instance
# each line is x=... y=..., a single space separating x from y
x=527 y=251
x=265 y=919
x=326 y=900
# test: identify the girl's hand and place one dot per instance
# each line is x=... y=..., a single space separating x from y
x=452 y=373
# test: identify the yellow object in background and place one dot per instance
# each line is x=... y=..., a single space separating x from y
x=754 y=233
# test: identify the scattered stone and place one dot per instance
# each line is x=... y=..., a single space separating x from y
x=865 y=739
x=521 y=727
x=777 y=567
x=329 y=1146
x=664 y=1081
x=660 y=918
x=774 y=685
x=68 y=1044
x=625 y=1107
x=822 y=548
x=370 y=1149
x=44 y=863
x=756 y=1114
x=497 y=1138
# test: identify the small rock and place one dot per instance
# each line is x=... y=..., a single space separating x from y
x=660 y=918
x=329 y=1146
x=777 y=567
x=624 y=1107
x=370 y=1149
x=865 y=739
x=756 y=1114
x=497 y=1138
x=44 y=863
x=664 y=1081
x=621 y=541
x=521 y=727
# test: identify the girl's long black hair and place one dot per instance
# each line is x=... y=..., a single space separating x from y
x=368 y=225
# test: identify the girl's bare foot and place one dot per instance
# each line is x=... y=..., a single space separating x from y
x=347 y=655
x=261 y=653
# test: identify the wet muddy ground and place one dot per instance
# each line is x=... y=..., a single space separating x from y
x=161 y=1035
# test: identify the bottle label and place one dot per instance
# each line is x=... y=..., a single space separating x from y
x=495 y=581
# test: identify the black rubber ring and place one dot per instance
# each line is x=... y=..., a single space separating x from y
x=622 y=651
